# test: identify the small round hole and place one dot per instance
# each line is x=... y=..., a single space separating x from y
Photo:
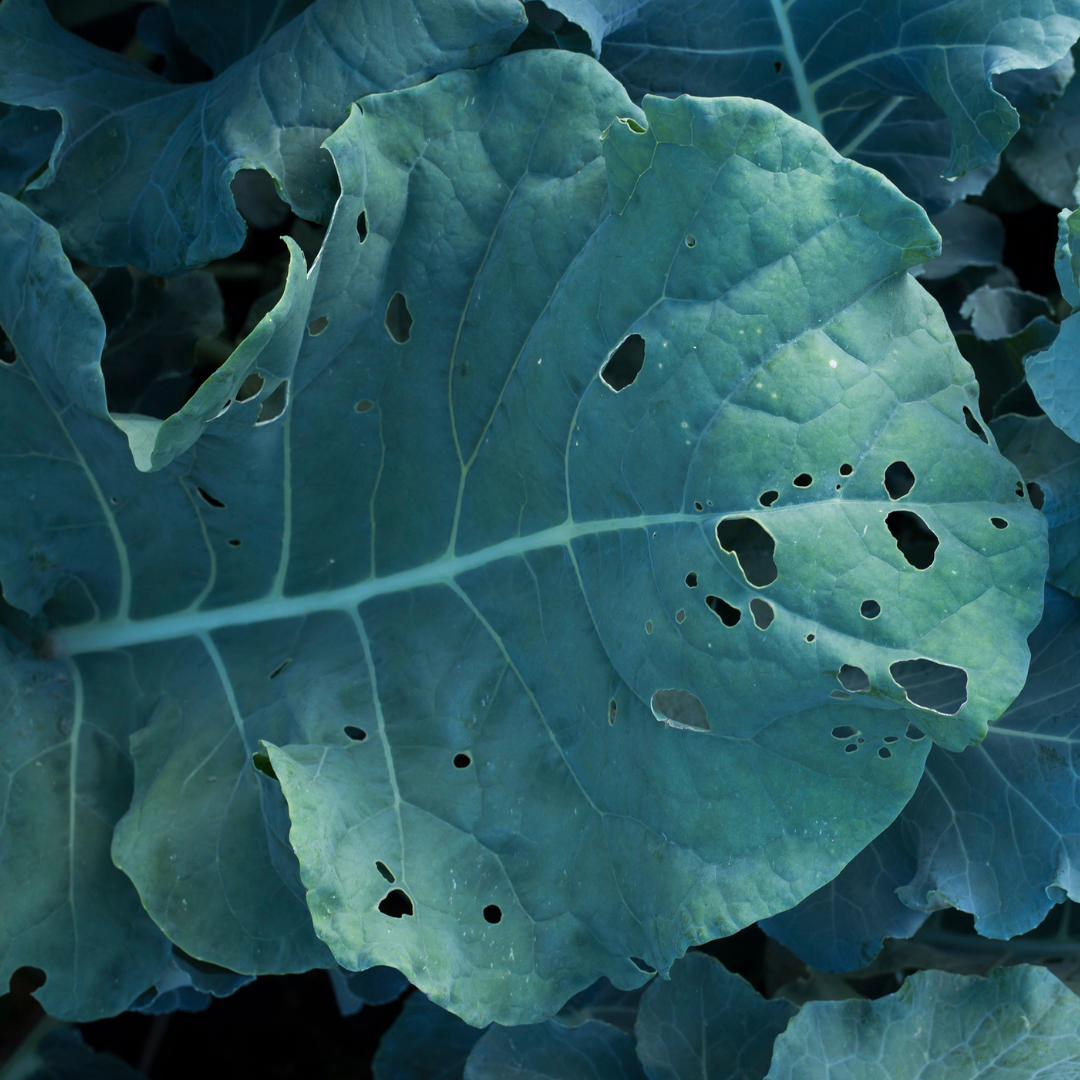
x=648 y=626
x=999 y=523
x=493 y=913
x=891 y=738
x=691 y=580
x=680 y=615
x=884 y=752
x=698 y=507
x=850 y=748
x=846 y=469
x=357 y=734
x=365 y=406
x=811 y=637
x=844 y=732
x=767 y=498
x=869 y=609
x=690 y=241
x=803 y=480
x=233 y=543
x=462 y=761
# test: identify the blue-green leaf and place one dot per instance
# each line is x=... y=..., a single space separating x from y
x=424 y=1043
x=591 y=1051
x=61 y=1054
x=26 y=140
x=376 y=986
x=991 y=831
x=1017 y=1022
x=707 y=1024
x=142 y=172
x=467 y=605
x=908 y=94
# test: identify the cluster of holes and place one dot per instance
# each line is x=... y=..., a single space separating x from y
x=625 y=363
x=854 y=739
x=398 y=319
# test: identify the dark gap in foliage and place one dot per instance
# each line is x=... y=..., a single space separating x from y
x=681 y=708
x=1030 y=242
x=399 y=319
x=752 y=546
x=869 y=609
x=462 y=761
x=625 y=363
x=549 y=29
x=1036 y=495
x=261 y=762
x=853 y=678
x=396 y=904
x=973 y=425
x=493 y=913
x=899 y=480
x=930 y=685
x=1001 y=523
x=803 y=480
x=691 y=580
x=729 y=615
x=915 y=539
x=385 y=871
x=762 y=612
x=357 y=734
x=767 y=498
x=209 y=499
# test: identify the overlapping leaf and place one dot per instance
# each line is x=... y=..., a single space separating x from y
x=908 y=93
x=142 y=173
x=991 y=831
x=443 y=588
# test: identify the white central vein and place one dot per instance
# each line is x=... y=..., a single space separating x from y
x=121 y=633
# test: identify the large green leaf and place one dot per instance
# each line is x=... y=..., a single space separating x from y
x=142 y=172
x=453 y=587
x=1020 y=1023
x=908 y=92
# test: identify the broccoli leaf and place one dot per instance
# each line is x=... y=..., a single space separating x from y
x=142 y=172
x=424 y=1043
x=990 y=831
x=907 y=93
x=707 y=1024
x=615 y=478
x=1018 y=1022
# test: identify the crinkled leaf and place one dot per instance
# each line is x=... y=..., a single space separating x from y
x=1046 y=456
x=142 y=173
x=593 y=1051
x=1019 y=1023
x=707 y=1024
x=991 y=831
x=26 y=140
x=222 y=33
x=907 y=93
x=424 y=1043
x=453 y=608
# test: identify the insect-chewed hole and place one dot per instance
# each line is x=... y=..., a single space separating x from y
x=854 y=679
x=357 y=734
x=690 y=241
x=914 y=733
x=280 y=668
x=891 y=738
x=884 y=752
x=846 y=469
x=641 y=965
x=398 y=319
x=680 y=615
x=680 y=708
x=366 y=405
x=915 y=539
x=767 y=498
x=691 y=580
x=999 y=523
x=234 y=543
x=1035 y=494
x=811 y=637
x=261 y=762
x=698 y=507
x=850 y=748
x=395 y=904
x=361 y=226
x=752 y=546
x=762 y=612
x=7 y=350
x=273 y=406
x=317 y=326
x=844 y=732
x=625 y=363
x=648 y=626
x=973 y=425
x=209 y=499
x=840 y=695
x=250 y=387
x=729 y=615
x=493 y=913
x=611 y=710
x=1019 y=490
x=899 y=480
x=803 y=480
x=930 y=685
x=462 y=761
x=385 y=871
x=778 y=66
x=869 y=609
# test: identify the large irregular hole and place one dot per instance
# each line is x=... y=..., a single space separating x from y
x=385 y=871
x=915 y=539
x=625 y=363
x=854 y=679
x=273 y=406
x=752 y=545
x=1035 y=494
x=249 y=388
x=763 y=613
x=973 y=425
x=869 y=609
x=395 y=904
x=680 y=709
x=729 y=615
x=899 y=480
x=930 y=685
x=493 y=913
x=399 y=319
